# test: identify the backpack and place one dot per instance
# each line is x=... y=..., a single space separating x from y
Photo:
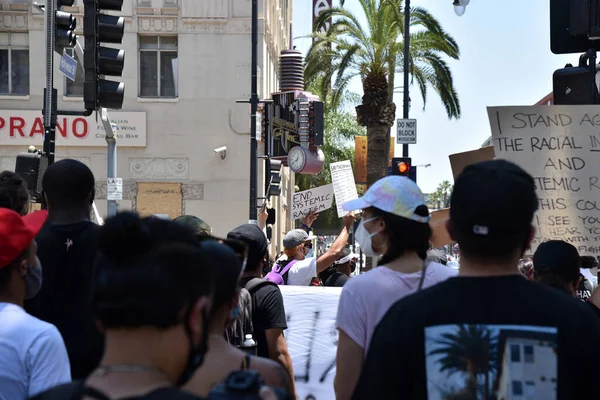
x=243 y=325
x=77 y=390
x=279 y=272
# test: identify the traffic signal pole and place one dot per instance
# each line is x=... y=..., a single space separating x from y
x=253 y=110
x=49 y=111
x=406 y=67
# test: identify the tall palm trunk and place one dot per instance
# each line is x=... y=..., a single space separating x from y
x=377 y=152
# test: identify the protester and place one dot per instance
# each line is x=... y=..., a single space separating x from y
x=32 y=352
x=198 y=226
x=67 y=250
x=498 y=316
x=223 y=358
x=556 y=264
x=298 y=269
x=395 y=227
x=268 y=311
x=152 y=298
x=17 y=196
x=586 y=286
x=342 y=268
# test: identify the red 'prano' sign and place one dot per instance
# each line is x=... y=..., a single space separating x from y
x=26 y=127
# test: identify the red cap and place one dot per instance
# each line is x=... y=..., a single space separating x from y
x=17 y=233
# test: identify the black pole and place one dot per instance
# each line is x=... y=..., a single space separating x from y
x=406 y=66
x=592 y=67
x=253 y=111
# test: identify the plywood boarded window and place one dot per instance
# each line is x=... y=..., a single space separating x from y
x=159 y=198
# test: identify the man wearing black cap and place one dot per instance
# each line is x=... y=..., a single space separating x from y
x=480 y=334
x=268 y=312
x=556 y=264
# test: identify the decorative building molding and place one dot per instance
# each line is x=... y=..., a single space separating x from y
x=159 y=168
x=240 y=25
x=204 y=26
x=8 y=163
x=158 y=24
x=13 y=21
x=193 y=191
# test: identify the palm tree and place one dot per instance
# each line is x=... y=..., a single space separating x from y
x=374 y=52
x=444 y=191
x=471 y=349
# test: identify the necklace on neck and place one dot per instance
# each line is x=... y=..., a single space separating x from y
x=104 y=370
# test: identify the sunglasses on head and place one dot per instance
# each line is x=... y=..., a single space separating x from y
x=239 y=248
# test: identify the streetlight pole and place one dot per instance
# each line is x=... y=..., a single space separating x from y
x=253 y=111
x=406 y=66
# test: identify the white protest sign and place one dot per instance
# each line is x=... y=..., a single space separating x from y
x=344 y=186
x=114 y=189
x=312 y=338
x=317 y=199
x=559 y=146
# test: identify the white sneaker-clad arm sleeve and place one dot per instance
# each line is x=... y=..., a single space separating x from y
x=48 y=362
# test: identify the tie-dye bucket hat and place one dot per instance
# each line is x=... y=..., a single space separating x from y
x=394 y=194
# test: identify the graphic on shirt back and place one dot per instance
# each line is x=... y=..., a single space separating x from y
x=491 y=362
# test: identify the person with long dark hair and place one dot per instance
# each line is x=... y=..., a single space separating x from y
x=395 y=227
x=152 y=297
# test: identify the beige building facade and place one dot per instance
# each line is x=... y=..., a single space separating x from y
x=186 y=64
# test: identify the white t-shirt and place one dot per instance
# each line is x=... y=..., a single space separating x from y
x=302 y=272
x=366 y=298
x=33 y=357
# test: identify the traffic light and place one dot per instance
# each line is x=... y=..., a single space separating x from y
x=403 y=166
x=316 y=123
x=64 y=26
x=572 y=85
x=101 y=28
x=273 y=178
x=31 y=166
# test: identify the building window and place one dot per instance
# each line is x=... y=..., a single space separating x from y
x=14 y=64
x=515 y=353
x=158 y=66
x=530 y=390
x=528 y=354
x=74 y=88
x=517 y=388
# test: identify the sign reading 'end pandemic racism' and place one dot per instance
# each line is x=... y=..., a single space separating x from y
x=560 y=147
x=24 y=128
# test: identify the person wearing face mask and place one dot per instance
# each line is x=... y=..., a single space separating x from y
x=33 y=354
x=152 y=298
x=298 y=269
x=395 y=227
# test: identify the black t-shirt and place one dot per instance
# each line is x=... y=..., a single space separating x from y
x=67 y=254
x=585 y=289
x=525 y=338
x=77 y=391
x=268 y=312
x=337 y=279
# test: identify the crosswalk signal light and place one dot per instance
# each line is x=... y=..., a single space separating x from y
x=99 y=61
x=401 y=166
x=64 y=26
x=273 y=178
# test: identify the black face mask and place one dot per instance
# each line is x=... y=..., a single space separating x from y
x=197 y=353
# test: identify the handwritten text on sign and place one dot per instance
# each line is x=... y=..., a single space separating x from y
x=312 y=338
x=560 y=147
x=344 y=186
x=317 y=199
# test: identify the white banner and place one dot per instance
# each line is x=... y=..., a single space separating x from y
x=312 y=338
x=26 y=127
x=559 y=146
x=344 y=185
x=317 y=199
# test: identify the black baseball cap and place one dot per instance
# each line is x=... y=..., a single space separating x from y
x=198 y=226
x=492 y=199
x=255 y=239
x=558 y=256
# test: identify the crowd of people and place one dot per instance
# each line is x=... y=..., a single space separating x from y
x=148 y=308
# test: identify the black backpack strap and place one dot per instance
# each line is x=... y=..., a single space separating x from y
x=94 y=394
x=256 y=283
x=68 y=391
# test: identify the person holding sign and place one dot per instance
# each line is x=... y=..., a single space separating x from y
x=395 y=227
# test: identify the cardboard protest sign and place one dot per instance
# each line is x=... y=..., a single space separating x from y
x=459 y=161
x=440 y=236
x=312 y=338
x=559 y=146
x=317 y=199
x=344 y=186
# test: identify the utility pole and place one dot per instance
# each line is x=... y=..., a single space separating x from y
x=406 y=67
x=253 y=111
x=50 y=97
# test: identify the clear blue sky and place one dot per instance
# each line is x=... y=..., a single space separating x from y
x=505 y=60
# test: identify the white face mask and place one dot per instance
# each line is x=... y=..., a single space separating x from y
x=364 y=238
